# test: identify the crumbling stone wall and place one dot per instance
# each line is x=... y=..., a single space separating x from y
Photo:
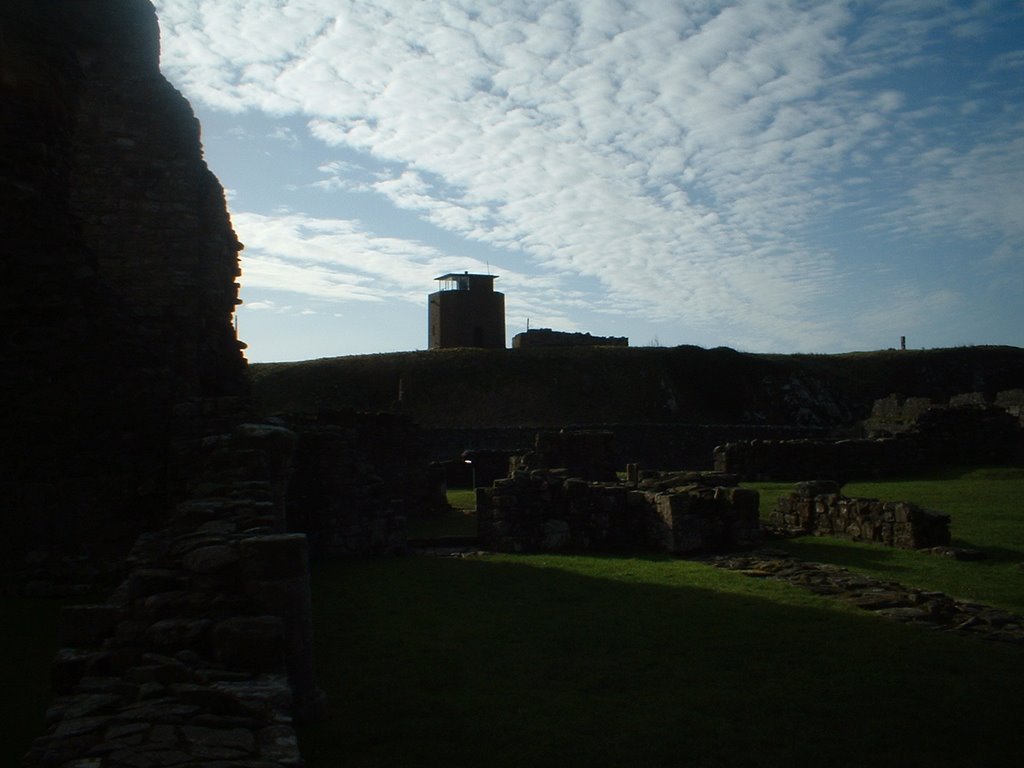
x=967 y=434
x=655 y=446
x=147 y=205
x=126 y=430
x=818 y=508
x=545 y=510
x=356 y=478
x=1012 y=401
x=840 y=460
x=118 y=267
x=204 y=652
x=585 y=454
x=894 y=414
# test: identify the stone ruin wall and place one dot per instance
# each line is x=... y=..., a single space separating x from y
x=545 y=510
x=119 y=276
x=132 y=461
x=204 y=651
x=147 y=204
x=540 y=508
x=970 y=433
x=819 y=509
x=356 y=479
x=653 y=446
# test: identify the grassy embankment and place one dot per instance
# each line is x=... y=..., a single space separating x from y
x=567 y=659
x=609 y=385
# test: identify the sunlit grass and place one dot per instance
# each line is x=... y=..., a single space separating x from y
x=986 y=507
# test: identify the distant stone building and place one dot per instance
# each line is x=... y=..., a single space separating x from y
x=545 y=337
x=466 y=312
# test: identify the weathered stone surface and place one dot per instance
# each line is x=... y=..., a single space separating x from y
x=905 y=437
x=543 y=510
x=815 y=507
x=88 y=624
x=118 y=294
x=250 y=642
x=171 y=634
x=275 y=557
x=217 y=558
x=933 y=610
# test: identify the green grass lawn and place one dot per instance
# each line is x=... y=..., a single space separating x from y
x=986 y=507
x=608 y=661
x=644 y=660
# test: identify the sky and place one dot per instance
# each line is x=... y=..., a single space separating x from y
x=817 y=177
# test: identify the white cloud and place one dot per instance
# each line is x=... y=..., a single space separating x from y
x=679 y=153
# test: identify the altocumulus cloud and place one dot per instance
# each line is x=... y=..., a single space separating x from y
x=694 y=160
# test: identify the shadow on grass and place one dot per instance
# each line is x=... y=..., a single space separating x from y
x=30 y=644
x=552 y=660
x=843 y=553
x=993 y=555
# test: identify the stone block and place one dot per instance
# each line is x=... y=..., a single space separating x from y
x=84 y=625
x=253 y=643
x=214 y=559
x=279 y=556
x=175 y=634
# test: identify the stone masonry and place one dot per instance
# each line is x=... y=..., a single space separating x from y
x=544 y=510
x=204 y=652
x=917 y=437
x=818 y=508
x=131 y=453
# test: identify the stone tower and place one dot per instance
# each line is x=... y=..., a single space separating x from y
x=467 y=312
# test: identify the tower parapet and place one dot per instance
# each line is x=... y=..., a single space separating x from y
x=466 y=312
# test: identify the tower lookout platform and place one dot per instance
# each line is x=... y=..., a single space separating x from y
x=466 y=312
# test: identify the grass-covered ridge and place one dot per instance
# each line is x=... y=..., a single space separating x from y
x=549 y=387
x=645 y=660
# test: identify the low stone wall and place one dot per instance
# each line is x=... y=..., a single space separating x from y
x=585 y=454
x=970 y=434
x=1012 y=401
x=655 y=446
x=356 y=477
x=819 y=509
x=839 y=460
x=204 y=652
x=546 y=510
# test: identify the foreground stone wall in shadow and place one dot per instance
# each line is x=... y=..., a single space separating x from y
x=131 y=458
x=118 y=276
x=204 y=651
